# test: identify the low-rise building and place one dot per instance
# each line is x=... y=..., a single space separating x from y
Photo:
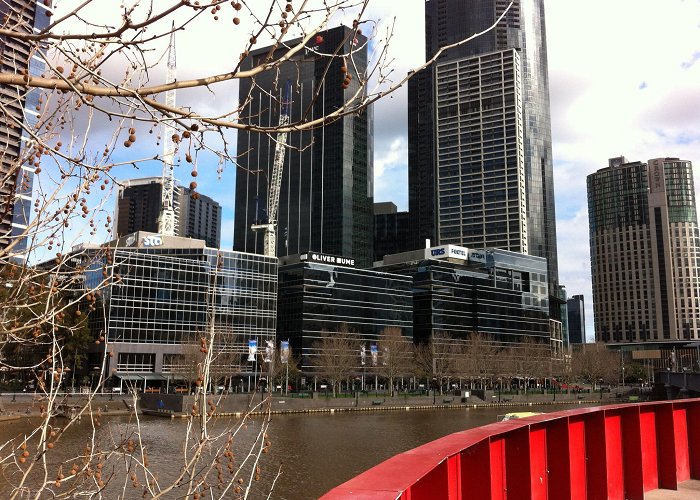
x=159 y=296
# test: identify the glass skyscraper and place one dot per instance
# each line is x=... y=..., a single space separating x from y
x=326 y=200
x=480 y=153
x=20 y=111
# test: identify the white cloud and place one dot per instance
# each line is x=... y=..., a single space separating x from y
x=624 y=80
x=390 y=173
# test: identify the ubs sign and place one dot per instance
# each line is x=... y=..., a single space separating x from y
x=327 y=259
x=446 y=251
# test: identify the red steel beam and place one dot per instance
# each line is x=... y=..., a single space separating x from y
x=617 y=452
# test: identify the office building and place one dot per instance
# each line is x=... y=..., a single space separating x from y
x=392 y=230
x=21 y=109
x=321 y=293
x=139 y=204
x=326 y=199
x=576 y=314
x=459 y=291
x=157 y=296
x=645 y=251
x=480 y=154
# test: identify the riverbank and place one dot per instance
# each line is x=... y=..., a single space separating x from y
x=16 y=406
x=237 y=405
x=23 y=405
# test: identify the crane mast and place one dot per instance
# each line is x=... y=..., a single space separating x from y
x=275 y=178
x=167 y=220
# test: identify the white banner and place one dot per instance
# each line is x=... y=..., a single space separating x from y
x=284 y=351
x=252 y=349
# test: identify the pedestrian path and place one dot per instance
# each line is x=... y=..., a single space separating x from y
x=687 y=490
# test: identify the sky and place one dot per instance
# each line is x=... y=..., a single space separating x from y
x=624 y=80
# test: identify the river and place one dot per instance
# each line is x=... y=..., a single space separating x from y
x=314 y=451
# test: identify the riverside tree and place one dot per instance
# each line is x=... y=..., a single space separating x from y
x=336 y=356
x=99 y=112
x=395 y=355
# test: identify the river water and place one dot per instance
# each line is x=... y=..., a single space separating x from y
x=314 y=452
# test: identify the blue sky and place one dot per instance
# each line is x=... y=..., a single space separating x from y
x=624 y=80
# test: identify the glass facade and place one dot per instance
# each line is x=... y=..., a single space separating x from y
x=316 y=298
x=481 y=197
x=505 y=297
x=392 y=230
x=159 y=300
x=577 y=319
x=22 y=107
x=522 y=30
x=327 y=184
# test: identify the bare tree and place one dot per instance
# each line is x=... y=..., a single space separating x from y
x=396 y=353
x=594 y=364
x=445 y=351
x=478 y=358
x=98 y=113
x=423 y=362
x=336 y=356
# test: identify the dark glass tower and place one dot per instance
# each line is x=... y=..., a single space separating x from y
x=21 y=111
x=326 y=200
x=480 y=152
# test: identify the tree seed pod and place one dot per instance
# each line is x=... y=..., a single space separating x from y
x=194 y=173
x=193 y=185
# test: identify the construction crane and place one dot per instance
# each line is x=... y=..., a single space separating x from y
x=275 y=178
x=167 y=219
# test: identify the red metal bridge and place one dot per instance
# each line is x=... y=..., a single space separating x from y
x=609 y=452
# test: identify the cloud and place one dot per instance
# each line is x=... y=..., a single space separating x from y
x=693 y=59
x=597 y=65
x=390 y=173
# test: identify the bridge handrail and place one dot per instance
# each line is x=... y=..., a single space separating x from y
x=568 y=454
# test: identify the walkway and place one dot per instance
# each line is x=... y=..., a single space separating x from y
x=687 y=490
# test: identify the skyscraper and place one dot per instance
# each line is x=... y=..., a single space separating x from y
x=645 y=251
x=577 y=319
x=138 y=208
x=392 y=230
x=19 y=111
x=326 y=200
x=480 y=153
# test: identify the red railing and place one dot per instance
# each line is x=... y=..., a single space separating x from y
x=615 y=452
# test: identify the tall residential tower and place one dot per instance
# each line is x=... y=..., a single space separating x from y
x=19 y=111
x=645 y=251
x=326 y=199
x=139 y=204
x=480 y=147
